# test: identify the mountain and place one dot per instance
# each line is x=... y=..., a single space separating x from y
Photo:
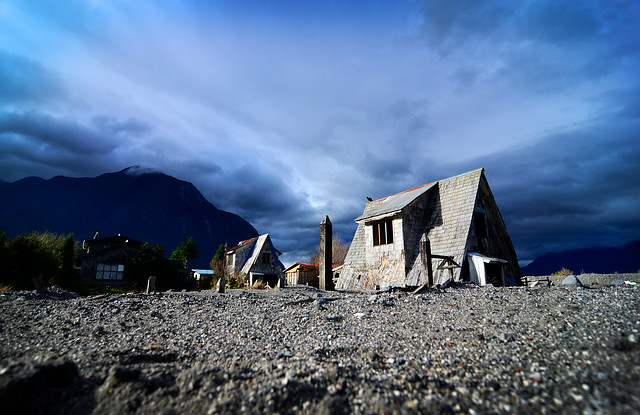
x=147 y=206
x=624 y=259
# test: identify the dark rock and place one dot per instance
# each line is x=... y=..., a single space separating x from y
x=37 y=388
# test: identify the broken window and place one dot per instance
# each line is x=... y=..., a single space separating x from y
x=480 y=223
x=382 y=232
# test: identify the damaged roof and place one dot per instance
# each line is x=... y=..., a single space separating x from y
x=241 y=243
x=393 y=203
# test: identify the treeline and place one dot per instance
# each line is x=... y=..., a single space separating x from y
x=54 y=260
x=37 y=255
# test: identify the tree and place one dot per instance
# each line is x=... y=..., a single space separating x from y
x=217 y=262
x=339 y=250
x=185 y=252
x=149 y=261
x=36 y=255
x=66 y=253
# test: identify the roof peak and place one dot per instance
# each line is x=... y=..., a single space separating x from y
x=396 y=202
x=428 y=184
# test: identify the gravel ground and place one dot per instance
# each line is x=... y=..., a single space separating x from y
x=300 y=350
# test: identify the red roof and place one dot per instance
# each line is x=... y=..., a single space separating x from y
x=241 y=243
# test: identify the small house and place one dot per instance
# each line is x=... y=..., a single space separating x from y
x=302 y=273
x=255 y=260
x=450 y=229
x=106 y=259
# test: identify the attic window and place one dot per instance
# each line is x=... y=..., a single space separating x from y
x=266 y=257
x=382 y=232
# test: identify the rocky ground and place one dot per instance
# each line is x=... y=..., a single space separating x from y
x=300 y=350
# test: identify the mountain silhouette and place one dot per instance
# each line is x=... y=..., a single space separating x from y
x=605 y=260
x=144 y=205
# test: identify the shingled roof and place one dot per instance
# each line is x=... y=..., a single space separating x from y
x=394 y=203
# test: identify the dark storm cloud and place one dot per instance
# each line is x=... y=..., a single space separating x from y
x=572 y=189
x=113 y=125
x=32 y=138
x=448 y=23
x=52 y=133
x=25 y=81
x=269 y=201
x=547 y=43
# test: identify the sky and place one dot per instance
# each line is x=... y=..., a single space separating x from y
x=286 y=111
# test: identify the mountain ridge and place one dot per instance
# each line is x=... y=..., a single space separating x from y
x=147 y=205
x=598 y=260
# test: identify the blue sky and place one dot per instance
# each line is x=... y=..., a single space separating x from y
x=284 y=111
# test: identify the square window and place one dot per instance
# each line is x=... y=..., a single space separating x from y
x=383 y=232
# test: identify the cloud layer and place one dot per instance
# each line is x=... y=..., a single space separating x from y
x=284 y=112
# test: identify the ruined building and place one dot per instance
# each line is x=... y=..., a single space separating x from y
x=449 y=229
x=255 y=260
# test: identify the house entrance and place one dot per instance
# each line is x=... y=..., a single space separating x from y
x=493 y=272
x=271 y=280
x=268 y=279
x=485 y=270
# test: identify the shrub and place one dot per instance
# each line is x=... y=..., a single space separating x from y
x=36 y=255
x=563 y=272
x=235 y=281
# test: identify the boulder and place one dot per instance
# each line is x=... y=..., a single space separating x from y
x=572 y=280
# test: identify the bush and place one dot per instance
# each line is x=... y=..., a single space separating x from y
x=37 y=255
x=563 y=272
x=235 y=281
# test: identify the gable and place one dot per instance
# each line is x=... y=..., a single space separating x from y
x=263 y=245
x=451 y=213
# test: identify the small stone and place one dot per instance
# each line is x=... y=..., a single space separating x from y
x=535 y=376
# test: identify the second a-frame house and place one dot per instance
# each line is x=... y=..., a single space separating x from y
x=256 y=260
x=446 y=230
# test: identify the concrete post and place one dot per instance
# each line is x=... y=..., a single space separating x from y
x=151 y=284
x=326 y=244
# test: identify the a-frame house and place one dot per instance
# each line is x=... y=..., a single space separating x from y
x=449 y=229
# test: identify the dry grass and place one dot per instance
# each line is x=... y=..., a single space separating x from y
x=563 y=271
x=4 y=287
x=258 y=285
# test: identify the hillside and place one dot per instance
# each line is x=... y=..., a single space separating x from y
x=602 y=260
x=150 y=207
